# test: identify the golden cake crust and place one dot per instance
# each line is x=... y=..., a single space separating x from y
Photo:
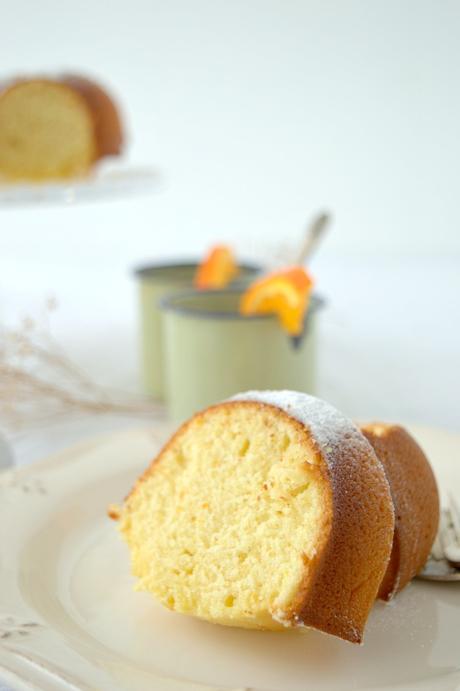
x=104 y=113
x=341 y=581
x=416 y=501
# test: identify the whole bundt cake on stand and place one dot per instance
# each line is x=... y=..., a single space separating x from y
x=53 y=128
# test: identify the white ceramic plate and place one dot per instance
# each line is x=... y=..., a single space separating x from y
x=105 y=183
x=69 y=618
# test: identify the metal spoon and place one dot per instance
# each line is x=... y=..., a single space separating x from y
x=314 y=234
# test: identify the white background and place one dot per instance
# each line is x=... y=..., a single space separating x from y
x=259 y=113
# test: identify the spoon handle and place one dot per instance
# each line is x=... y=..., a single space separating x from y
x=315 y=232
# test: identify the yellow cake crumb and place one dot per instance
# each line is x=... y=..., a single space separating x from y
x=226 y=522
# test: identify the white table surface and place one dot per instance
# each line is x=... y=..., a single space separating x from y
x=389 y=342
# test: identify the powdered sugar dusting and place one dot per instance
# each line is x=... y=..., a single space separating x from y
x=328 y=426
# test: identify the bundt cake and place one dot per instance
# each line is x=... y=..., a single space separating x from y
x=55 y=128
x=269 y=510
x=416 y=503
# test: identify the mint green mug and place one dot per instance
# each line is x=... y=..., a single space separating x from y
x=211 y=351
x=156 y=281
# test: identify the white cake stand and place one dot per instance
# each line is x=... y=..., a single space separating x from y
x=105 y=183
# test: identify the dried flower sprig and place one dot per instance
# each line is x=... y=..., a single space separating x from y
x=39 y=382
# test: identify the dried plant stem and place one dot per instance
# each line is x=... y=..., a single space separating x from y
x=39 y=381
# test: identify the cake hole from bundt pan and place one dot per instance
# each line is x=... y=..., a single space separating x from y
x=244 y=448
x=299 y=490
x=180 y=458
x=286 y=442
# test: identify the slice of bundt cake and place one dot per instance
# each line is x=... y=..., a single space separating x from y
x=416 y=503
x=55 y=128
x=265 y=511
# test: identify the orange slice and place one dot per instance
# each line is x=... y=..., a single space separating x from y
x=217 y=270
x=285 y=293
